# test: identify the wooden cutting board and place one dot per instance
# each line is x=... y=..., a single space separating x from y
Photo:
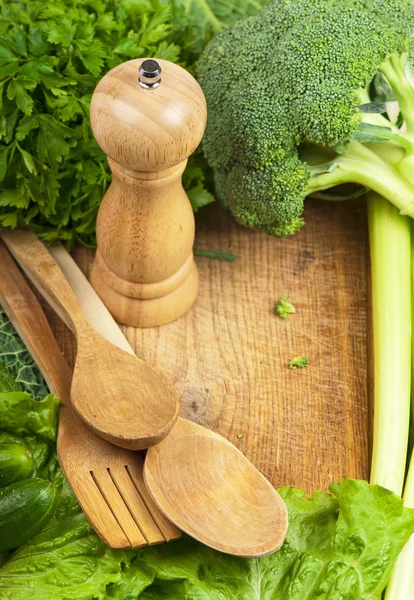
x=228 y=356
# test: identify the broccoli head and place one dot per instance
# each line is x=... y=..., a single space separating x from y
x=300 y=75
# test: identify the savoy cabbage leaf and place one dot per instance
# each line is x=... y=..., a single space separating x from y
x=18 y=361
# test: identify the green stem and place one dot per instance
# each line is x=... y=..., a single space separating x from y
x=359 y=164
x=394 y=69
x=390 y=240
x=401 y=584
x=388 y=151
x=396 y=156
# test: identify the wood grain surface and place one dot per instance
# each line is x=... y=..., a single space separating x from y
x=228 y=355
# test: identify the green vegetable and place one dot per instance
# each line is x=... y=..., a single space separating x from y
x=16 y=463
x=402 y=580
x=299 y=362
x=21 y=414
x=194 y=181
x=195 y=21
x=215 y=254
x=40 y=450
x=324 y=553
x=25 y=508
x=21 y=371
x=390 y=242
x=7 y=381
x=284 y=307
x=52 y=55
x=290 y=110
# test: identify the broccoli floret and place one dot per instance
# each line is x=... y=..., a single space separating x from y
x=299 y=362
x=278 y=193
x=300 y=74
x=284 y=307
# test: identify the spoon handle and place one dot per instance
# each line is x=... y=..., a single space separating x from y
x=92 y=306
x=42 y=270
x=28 y=318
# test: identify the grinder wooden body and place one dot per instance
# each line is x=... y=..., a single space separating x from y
x=144 y=268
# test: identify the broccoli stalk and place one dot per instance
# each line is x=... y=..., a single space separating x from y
x=390 y=239
x=360 y=164
x=401 y=584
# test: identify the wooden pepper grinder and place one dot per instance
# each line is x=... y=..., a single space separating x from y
x=148 y=116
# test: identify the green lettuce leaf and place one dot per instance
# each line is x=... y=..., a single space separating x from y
x=338 y=547
x=65 y=562
x=20 y=414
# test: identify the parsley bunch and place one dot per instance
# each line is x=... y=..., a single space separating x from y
x=52 y=54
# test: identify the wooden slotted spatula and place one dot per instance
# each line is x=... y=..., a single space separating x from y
x=198 y=479
x=107 y=480
x=123 y=399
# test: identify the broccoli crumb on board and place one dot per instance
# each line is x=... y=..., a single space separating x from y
x=284 y=307
x=299 y=362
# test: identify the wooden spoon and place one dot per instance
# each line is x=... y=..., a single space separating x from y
x=108 y=481
x=199 y=480
x=121 y=397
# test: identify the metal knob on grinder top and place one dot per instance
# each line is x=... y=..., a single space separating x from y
x=149 y=74
x=148 y=116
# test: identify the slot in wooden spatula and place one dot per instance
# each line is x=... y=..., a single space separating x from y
x=107 y=480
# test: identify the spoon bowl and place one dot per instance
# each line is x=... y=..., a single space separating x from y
x=122 y=398
x=209 y=489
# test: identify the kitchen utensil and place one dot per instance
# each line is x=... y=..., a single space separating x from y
x=202 y=482
x=148 y=116
x=107 y=480
x=121 y=397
